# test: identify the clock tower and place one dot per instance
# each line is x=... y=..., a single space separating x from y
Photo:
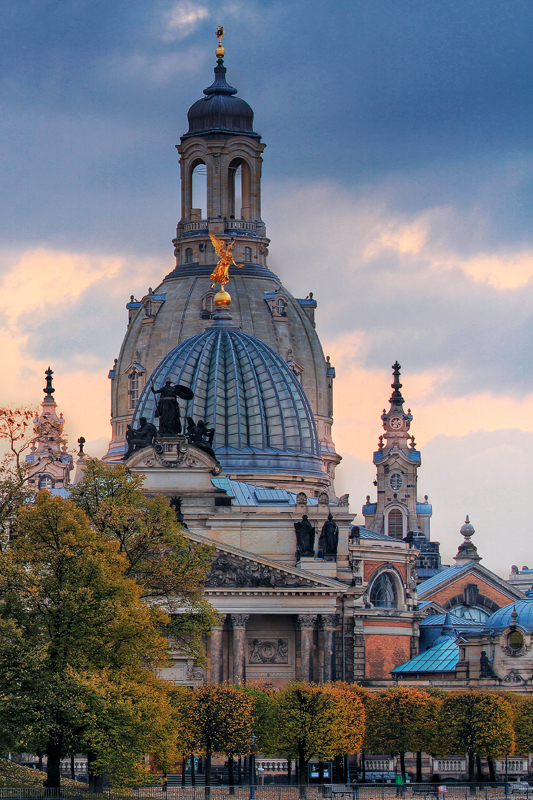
x=397 y=512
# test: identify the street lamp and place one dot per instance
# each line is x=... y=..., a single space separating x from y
x=253 y=740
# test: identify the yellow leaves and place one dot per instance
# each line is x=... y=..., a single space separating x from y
x=401 y=719
x=476 y=722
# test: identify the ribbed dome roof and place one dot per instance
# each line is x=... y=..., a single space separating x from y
x=505 y=616
x=244 y=389
x=219 y=112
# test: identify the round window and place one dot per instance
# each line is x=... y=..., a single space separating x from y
x=515 y=641
x=395 y=481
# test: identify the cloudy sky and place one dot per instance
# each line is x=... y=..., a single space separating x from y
x=398 y=183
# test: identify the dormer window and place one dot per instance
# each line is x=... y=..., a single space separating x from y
x=281 y=307
x=46 y=482
x=515 y=641
x=208 y=305
x=136 y=377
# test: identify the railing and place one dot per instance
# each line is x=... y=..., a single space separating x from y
x=197 y=225
x=272 y=764
x=240 y=225
x=514 y=766
x=449 y=765
x=379 y=764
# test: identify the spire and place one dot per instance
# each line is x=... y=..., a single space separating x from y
x=48 y=389
x=396 y=398
x=447 y=628
x=220 y=85
x=467 y=550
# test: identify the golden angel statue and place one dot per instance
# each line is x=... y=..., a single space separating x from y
x=224 y=252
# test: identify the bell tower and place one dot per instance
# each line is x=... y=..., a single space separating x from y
x=222 y=146
x=397 y=512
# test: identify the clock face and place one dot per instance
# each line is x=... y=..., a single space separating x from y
x=395 y=423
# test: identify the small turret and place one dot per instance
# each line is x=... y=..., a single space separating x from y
x=467 y=550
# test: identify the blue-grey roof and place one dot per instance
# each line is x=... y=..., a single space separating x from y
x=424 y=508
x=412 y=455
x=366 y=533
x=443 y=657
x=442 y=577
x=306 y=302
x=247 y=494
x=502 y=618
x=437 y=621
x=369 y=509
x=262 y=418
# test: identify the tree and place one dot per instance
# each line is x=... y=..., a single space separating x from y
x=170 y=568
x=475 y=723
x=71 y=623
x=214 y=718
x=15 y=429
x=400 y=721
x=317 y=721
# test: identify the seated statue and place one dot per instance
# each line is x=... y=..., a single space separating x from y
x=201 y=436
x=144 y=436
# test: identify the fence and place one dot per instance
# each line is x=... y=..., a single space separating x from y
x=370 y=791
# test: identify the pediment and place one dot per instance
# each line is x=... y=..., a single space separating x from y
x=233 y=568
x=174 y=454
x=474 y=572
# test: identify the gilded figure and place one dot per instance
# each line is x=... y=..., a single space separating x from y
x=224 y=252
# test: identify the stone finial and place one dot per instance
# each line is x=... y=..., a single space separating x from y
x=49 y=389
x=81 y=442
x=467 y=550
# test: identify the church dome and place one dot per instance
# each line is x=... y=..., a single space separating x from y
x=520 y=613
x=263 y=421
x=220 y=113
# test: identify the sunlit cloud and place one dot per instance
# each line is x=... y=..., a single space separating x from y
x=183 y=19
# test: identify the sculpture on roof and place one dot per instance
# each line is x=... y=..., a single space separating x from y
x=329 y=538
x=201 y=436
x=485 y=667
x=224 y=252
x=305 y=538
x=167 y=409
x=139 y=438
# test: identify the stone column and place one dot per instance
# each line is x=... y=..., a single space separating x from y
x=327 y=624
x=238 y=622
x=216 y=653
x=306 y=624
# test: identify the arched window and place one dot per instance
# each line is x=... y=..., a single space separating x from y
x=395 y=523
x=199 y=192
x=475 y=613
x=395 y=481
x=281 y=306
x=188 y=255
x=383 y=593
x=134 y=385
x=46 y=482
x=247 y=253
x=515 y=641
x=239 y=189
x=208 y=306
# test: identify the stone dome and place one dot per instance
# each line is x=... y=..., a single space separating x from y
x=520 y=613
x=263 y=421
x=219 y=112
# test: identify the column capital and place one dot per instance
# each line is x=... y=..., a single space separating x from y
x=239 y=620
x=328 y=621
x=306 y=620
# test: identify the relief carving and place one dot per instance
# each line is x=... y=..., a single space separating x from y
x=268 y=651
x=513 y=676
x=228 y=572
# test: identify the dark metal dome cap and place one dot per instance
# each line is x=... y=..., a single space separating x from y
x=219 y=113
x=262 y=418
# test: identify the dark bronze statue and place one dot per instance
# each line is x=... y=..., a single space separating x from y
x=485 y=667
x=201 y=436
x=329 y=538
x=167 y=408
x=144 y=436
x=305 y=538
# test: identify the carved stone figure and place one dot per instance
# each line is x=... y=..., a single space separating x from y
x=329 y=538
x=227 y=572
x=485 y=667
x=268 y=651
x=201 y=436
x=143 y=436
x=167 y=409
x=305 y=538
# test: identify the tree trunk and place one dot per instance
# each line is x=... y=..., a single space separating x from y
x=419 y=766
x=492 y=771
x=40 y=765
x=72 y=767
x=239 y=771
x=321 y=772
x=289 y=770
x=402 y=764
x=53 y=769
x=363 y=766
x=96 y=782
x=193 y=776
x=471 y=766
x=207 y=768
x=479 y=769
x=183 y=770
x=302 y=772
x=231 y=777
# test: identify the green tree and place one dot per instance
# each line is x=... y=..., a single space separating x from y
x=400 y=720
x=68 y=616
x=214 y=718
x=475 y=723
x=169 y=567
